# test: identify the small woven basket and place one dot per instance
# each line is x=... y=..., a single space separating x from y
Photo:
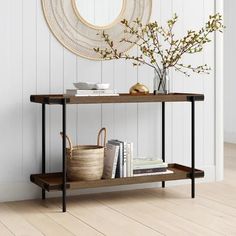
x=85 y=162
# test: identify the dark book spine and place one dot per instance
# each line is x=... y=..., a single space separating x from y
x=118 y=171
x=152 y=170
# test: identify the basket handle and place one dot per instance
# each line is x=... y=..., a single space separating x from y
x=70 y=143
x=100 y=135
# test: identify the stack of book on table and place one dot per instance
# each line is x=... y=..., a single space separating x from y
x=148 y=166
x=91 y=92
x=118 y=159
x=91 y=89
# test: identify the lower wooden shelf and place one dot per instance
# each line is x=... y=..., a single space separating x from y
x=53 y=181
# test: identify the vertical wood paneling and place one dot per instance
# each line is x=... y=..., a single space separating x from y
x=178 y=115
x=108 y=116
x=229 y=64
x=70 y=64
x=4 y=70
x=32 y=61
x=108 y=76
x=120 y=128
x=149 y=132
x=56 y=86
x=194 y=84
x=29 y=68
x=131 y=109
x=11 y=108
x=43 y=77
x=11 y=82
x=209 y=84
x=89 y=117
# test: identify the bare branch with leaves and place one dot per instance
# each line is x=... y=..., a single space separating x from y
x=158 y=46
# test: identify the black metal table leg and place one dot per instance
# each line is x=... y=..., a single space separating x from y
x=163 y=137
x=43 y=145
x=64 y=155
x=193 y=145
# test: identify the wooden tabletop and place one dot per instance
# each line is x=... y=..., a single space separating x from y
x=122 y=98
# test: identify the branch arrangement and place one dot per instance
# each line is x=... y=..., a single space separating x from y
x=159 y=47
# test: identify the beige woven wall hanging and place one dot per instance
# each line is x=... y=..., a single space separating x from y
x=79 y=36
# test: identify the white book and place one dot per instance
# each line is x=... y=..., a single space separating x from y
x=141 y=166
x=125 y=159
x=110 y=161
x=131 y=158
x=77 y=92
x=96 y=95
x=155 y=173
x=128 y=159
x=147 y=161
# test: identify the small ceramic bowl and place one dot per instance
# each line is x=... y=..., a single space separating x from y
x=85 y=85
x=102 y=86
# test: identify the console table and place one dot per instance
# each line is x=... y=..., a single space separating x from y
x=58 y=181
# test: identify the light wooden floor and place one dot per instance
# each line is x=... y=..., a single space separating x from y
x=167 y=211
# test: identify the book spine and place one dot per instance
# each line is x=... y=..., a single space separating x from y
x=121 y=160
x=131 y=158
x=153 y=170
x=115 y=164
x=97 y=95
x=155 y=173
x=124 y=160
x=139 y=166
x=128 y=159
x=84 y=92
x=118 y=171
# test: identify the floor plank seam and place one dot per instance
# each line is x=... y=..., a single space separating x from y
x=71 y=213
x=8 y=229
x=193 y=222
x=37 y=228
x=7 y=205
x=219 y=202
x=206 y=207
x=130 y=217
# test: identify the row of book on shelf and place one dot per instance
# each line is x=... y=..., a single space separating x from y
x=119 y=162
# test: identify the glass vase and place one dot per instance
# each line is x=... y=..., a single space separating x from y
x=161 y=82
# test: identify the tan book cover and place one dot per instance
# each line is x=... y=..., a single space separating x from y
x=110 y=161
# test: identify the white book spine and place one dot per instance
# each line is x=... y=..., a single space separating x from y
x=125 y=159
x=128 y=159
x=163 y=165
x=97 y=95
x=155 y=173
x=131 y=158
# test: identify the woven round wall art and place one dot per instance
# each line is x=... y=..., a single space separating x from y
x=79 y=36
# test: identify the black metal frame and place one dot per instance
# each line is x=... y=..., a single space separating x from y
x=64 y=154
x=192 y=99
x=163 y=134
x=43 y=145
x=193 y=145
x=63 y=103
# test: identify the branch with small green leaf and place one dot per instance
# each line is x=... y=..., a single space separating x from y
x=158 y=46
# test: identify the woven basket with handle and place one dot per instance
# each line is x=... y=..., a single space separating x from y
x=85 y=162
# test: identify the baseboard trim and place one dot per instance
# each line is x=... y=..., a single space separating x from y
x=26 y=191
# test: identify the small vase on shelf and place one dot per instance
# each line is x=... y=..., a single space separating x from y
x=161 y=82
x=139 y=89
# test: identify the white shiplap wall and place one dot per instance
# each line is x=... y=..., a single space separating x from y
x=33 y=62
x=229 y=80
